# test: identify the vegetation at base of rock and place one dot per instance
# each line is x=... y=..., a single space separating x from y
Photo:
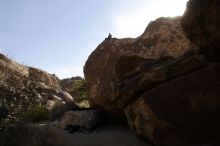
x=14 y=105
x=80 y=93
x=37 y=113
x=84 y=104
x=57 y=111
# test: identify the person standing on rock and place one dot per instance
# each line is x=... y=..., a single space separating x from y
x=109 y=36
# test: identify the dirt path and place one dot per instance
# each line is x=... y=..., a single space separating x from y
x=110 y=135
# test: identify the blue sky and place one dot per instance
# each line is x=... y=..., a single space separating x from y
x=58 y=35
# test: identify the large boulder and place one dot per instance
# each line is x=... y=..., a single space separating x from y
x=132 y=82
x=201 y=23
x=168 y=87
x=42 y=76
x=65 y=96
x=183 y=111
x=83 y=118
x=163 y=37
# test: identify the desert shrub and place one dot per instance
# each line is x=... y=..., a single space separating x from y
x=84 y=104
x=14 y=90
x=37 y=113
x=57 y=111
x=12 y=106
x=80 y=91
x=19 y=101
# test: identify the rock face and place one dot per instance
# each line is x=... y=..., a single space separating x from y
x=42 y=76
x=162 y=38
x=133 y=83
x=168 y=88
x=183 y=111
x=201 y=23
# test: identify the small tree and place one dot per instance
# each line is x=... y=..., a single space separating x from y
x=80 y=92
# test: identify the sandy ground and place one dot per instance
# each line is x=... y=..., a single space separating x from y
x=108 y=135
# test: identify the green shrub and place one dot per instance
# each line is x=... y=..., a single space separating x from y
x=57 y=111
x=84 y=104
x=37 y=113
x=80 y=92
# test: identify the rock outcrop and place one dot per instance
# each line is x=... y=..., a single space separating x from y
x=83 y=118
x=162 y=38
x=21 y=86
x=183 y=111
x=7 y=64
x=42 y=76
x=69 y=83
x=151 y=74
x=167 y=83
x=201 y=23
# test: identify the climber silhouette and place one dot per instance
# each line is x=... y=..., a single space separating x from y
x=109 y=36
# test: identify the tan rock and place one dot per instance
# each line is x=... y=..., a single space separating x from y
x=42 y=76
x=163 y=37
x=84 y=118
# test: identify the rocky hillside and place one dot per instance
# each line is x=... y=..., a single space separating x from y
x=167 y=80
x=69 y=83
x=30 y=72
x=26 y=89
